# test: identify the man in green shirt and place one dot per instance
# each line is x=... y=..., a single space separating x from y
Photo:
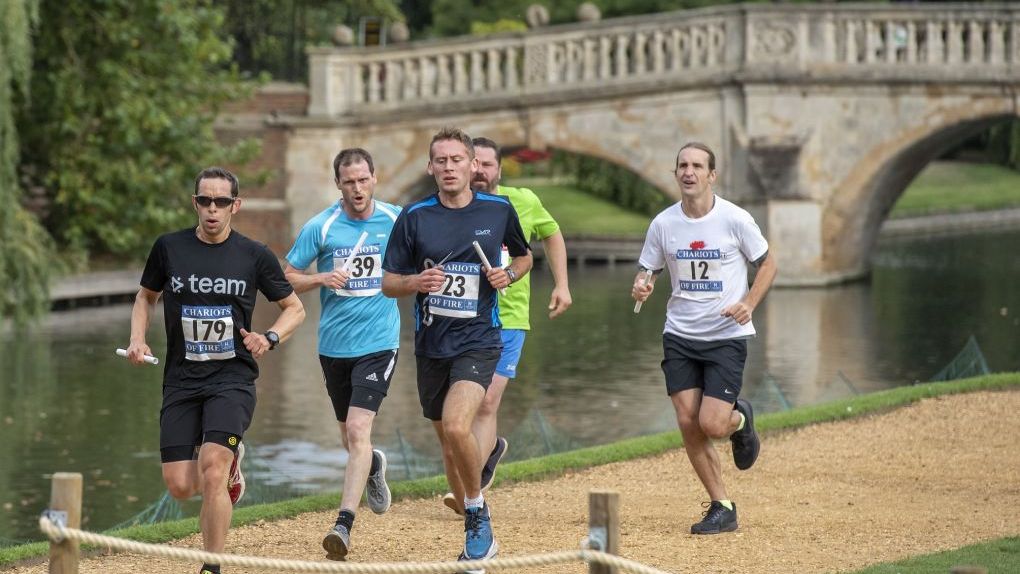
x=513 y=306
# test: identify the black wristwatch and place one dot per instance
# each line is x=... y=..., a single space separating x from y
x=273 y=339
x=510 y=273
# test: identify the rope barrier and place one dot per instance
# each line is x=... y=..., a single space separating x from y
x=59 y=533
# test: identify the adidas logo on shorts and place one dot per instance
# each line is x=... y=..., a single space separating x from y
x=372 y=377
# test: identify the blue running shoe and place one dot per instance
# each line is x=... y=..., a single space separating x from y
x=462 y=558
x=479 y=543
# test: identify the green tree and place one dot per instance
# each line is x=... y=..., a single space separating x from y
x=454 y=17
x=25 y=248
x=271 y=35
x=124 y=97
x=1003 y=143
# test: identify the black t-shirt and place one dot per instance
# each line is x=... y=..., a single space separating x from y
x=464 y=314
x=208 y=296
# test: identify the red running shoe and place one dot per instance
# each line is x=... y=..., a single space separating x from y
x=235 y=480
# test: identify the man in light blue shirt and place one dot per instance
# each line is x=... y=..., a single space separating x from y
x=359 y=328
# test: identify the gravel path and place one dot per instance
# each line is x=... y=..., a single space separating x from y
x=936 y=475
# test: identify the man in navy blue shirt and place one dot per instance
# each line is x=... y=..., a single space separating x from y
x=457 y=328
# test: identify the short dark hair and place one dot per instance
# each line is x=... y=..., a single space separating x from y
x=486 y=142
x=218 y=173
x=702 y=147
x=351 y=156
x=455 y=134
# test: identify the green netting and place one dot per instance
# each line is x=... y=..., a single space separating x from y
x=166 y=508
x=845 y=381
x=257 y=491
x=6 y=542
x=535 y=437
x=969 y=362
x=767 y=396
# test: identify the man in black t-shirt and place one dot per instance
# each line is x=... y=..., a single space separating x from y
x=208 y=276
x=457 y=330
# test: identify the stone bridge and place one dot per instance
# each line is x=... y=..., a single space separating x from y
x=820 y=114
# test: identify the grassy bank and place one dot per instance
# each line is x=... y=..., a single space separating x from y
x=959 y=187
x=998 y=557
x=557 y=464
x=942 y=187
x=579 y=213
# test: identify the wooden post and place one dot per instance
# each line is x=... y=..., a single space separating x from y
x=65 y=496
x=604 y=526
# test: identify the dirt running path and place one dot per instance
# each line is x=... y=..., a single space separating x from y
x=937 y=475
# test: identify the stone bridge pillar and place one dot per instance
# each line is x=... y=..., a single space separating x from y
x=794 y=230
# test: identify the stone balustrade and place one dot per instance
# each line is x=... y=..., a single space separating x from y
x=668 y=51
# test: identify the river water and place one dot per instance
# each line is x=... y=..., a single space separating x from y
x=67 y=403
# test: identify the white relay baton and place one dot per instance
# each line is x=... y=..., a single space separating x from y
x=644 y=281
x=357 y=248
x=485 y=262
x=148 y=358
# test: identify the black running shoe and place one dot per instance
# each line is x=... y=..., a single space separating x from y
x=745 y=441
x=489 y=470
x=716 y=519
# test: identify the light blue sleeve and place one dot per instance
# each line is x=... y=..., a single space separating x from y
x=306 y=246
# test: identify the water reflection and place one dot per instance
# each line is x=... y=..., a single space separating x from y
x=67 y=403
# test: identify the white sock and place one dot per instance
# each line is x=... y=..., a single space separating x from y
x=474 y=502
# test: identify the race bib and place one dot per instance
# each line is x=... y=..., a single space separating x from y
x=459 y=295
x=365 y=271
x=208 y=333
x=700 y=272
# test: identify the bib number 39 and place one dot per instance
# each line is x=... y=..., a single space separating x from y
x=364 y=272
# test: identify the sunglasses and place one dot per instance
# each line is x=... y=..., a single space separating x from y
x=221 y=202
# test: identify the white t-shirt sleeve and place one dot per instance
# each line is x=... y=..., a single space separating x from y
x=752 y=243
x=653 y=255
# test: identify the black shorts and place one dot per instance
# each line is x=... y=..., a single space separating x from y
x=716 y=367
x=436 y=375
x=223 y=410
x=358 y=381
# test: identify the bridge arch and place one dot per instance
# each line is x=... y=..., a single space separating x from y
x=854 y=214
x=820 y=114
x=416 y=187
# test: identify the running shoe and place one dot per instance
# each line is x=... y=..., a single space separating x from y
x=745 y=441
x=479 y=543
x=235 y=482
x=462 y=558
x=377 y=491
x=489 y=470
x=451 y=502
x=716 y=519
x=337 y=542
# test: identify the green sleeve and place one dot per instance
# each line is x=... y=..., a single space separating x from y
x=543 y=223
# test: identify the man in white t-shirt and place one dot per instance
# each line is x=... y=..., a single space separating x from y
x=707 y=243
